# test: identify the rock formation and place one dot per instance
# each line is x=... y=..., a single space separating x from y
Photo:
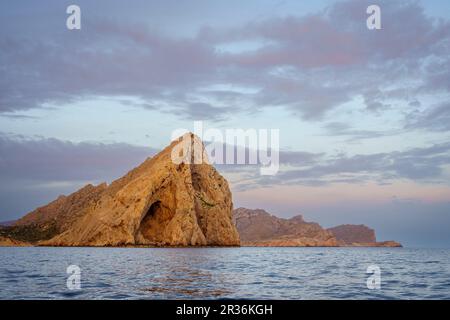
x=170 y=202
x=259 y=228
x=350 y=235
x=390 y=244
x=57 y=216
x=8 y=242
x=160 y=203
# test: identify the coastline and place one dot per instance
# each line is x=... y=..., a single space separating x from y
x=244 y=245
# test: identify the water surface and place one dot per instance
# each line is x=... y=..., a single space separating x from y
x=224 y=273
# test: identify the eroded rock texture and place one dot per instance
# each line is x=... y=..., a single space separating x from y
x=259 y=228
x=159 y=203
x=349 y=233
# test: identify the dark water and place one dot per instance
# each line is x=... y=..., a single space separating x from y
x=212 y=273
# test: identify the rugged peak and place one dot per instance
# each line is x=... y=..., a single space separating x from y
x=244 y=212
x=188 y=149
x=297 y=219
x=174 y=198
x=61 y=212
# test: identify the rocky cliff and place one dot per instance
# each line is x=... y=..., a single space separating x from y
x=350 y=233
x=359 y=236
x=259 y=228
x=159 y=203
x=8 y=242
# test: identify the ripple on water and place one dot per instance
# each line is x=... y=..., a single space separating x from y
x=232 y=273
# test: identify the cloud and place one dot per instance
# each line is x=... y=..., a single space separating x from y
x=307 y=64
x=15 y=116
x=201 y=110
x=343 y=129
x=52 y=160
x=34 y=171
x=421 y=165
x=436 y=118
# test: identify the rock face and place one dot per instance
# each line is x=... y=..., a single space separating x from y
x=8 y=242
x=389 y=244
x=7 y=223
x=159 y=203
x=359 y=236
x=59 y=215
x=259 y=228
x=350 y=233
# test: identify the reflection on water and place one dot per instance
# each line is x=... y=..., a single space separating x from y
x=224 y=273
x=183 y=281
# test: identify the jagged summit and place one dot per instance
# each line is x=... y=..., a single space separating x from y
x=162 y=202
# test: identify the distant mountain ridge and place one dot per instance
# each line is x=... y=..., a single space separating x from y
x=260 y=228
x=7 y=223
x=349 y=234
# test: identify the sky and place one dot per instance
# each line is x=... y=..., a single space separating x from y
x=364 y=115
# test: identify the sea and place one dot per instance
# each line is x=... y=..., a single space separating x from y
x=224 y=273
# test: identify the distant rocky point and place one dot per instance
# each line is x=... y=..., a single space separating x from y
x=349 y=234
x=260 y=228
x=9 y=242
x=7 y=223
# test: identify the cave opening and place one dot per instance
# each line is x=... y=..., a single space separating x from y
x=153 y=224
